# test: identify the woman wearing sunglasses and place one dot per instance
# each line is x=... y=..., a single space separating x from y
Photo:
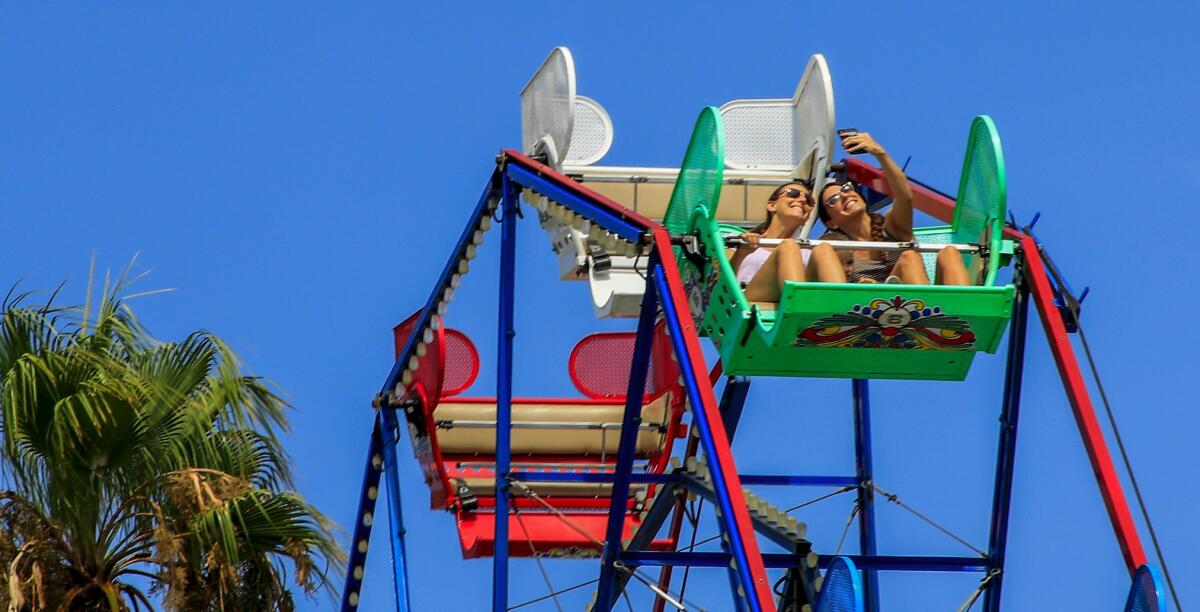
x=844 y=213
x=764 y=270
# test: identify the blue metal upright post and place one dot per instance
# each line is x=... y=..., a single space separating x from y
x=508 y=243
x=1006 y=452
x=733 y=400
x=606 y=594
x=391 y=469
x=866 y=496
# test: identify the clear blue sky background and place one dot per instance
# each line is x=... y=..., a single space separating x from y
x=295 y=172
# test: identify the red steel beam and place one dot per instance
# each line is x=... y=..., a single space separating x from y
x=661 y=241
x=941 y=207
x=1081 y=405
x=708 y=403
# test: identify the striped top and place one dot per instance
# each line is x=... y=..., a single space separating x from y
x=879 y=265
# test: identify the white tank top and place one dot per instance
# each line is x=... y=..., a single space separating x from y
x=754 y=261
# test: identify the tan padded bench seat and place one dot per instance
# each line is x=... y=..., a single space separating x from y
x=484 y=485
x=738 y=203
x=482 y=440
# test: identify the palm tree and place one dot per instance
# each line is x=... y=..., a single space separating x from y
x=133 y=469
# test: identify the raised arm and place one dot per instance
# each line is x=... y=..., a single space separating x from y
x=899 y=219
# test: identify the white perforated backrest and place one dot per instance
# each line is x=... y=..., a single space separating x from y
x=793 y=137
x=814 y=126
x=592 y=134
x=759 y=135
x=548 y=105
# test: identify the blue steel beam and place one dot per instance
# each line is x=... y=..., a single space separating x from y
x=632 y=226
x=508 y=253
x=781 y=560
x=484 y=207
x=388 y=423
x=391 y=468
x=1006 y=453
x=739 y=558
x=603 y=216
x=631 y=423
x=367 y=498
x=769 y=531
x=660 y=509
x=866 y=495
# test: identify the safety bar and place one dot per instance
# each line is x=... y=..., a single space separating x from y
x=533 y=465
x=854 y=245
x=473 y=424
x=668 y=176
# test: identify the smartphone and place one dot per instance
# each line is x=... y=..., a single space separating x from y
x=845 y=133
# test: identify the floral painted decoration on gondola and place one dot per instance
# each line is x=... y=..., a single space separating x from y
x=890 y=323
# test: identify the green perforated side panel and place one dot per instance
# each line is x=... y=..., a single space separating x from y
x=700 y=175
x=980 y=208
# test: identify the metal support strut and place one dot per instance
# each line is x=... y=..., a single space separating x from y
x=635 y=394
x=866 y=495
x=1006 y=452
x=508 y=244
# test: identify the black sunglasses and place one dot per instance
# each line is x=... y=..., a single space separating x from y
x=792 y=192
x=847 y=187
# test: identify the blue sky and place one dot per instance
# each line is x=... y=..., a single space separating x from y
x=296 y=172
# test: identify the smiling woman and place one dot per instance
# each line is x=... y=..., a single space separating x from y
x=844 y=213
x=763 y=270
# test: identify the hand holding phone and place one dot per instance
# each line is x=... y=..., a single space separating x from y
x=845 y=133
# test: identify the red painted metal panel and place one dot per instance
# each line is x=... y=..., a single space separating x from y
x=550 y=534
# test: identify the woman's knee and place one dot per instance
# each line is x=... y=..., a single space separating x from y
x=788 y=248
x=949 y=256
x=911 y=258
x=823 y=251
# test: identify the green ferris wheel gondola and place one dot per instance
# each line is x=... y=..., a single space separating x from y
x=845 y=330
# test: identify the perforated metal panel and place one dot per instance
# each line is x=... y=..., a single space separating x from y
x=599 y=365
x=461 y=363
x=701 y=173
x=933 y=237
x=842 y=588
x=548 y=104
x=793 y=137
x=1146 y=594
x=591 y=135
x=759 y=135
x=979 y=210
x=429 y=372
x=814 y=126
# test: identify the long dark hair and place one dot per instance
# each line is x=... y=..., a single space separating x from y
x=822 y=212
x=762 y=227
